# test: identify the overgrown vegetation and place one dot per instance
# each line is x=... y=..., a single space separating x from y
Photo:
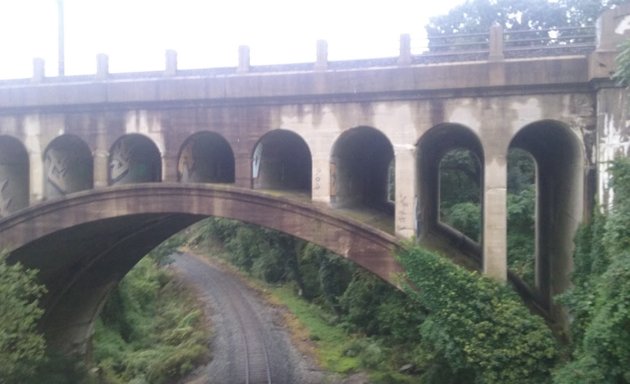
x=600 y=299
x=22 y=347
x=151 y=329
x=476 y=330
x=460 y=203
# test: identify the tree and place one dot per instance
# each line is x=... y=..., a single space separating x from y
x=477 y=16
x=22 y=347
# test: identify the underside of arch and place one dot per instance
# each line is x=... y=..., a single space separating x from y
x=86 y=242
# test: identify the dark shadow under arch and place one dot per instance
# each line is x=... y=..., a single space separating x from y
x=206 y=157
x=14 y=175
x=134 y=158
x=360 y=163
x=281 y=160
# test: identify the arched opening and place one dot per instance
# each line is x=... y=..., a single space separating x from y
x=134 y=158
x=460 y=192
x=14 y=175
x=282 y=161
x=206 y=157
x=557 y=153
x=521 y=215
x=361 y=170
x=450 y=183
x=68 y=166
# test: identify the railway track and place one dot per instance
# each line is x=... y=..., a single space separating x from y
x=246 y=352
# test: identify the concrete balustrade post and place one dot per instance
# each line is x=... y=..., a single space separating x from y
x=404 y=57
x=171 y=63
x=243 y=59
x=495 y=43
x=321 y=63
x=39 y=70
x=102 y=66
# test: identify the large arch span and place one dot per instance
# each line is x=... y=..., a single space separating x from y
x=84 y=243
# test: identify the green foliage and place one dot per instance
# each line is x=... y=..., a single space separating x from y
x=476 y=16
x=22 y=347
x=476 y=325
x=599 y=302
x=460 y=196
x=150 y=329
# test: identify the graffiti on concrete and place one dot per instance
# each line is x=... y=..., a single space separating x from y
x=5 y=201
x=120 y=162
x=56 y=164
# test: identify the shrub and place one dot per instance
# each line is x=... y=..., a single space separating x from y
x=476 y=324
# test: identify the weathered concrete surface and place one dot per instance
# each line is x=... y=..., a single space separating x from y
x=353 y=122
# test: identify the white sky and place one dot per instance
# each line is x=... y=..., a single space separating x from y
x=205 y=33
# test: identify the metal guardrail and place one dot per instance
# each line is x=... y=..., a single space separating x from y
x=512 y=43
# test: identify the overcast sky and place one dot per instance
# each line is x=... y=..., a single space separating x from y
x=205 y=33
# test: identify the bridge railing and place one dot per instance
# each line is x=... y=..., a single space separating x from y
x=497 y=44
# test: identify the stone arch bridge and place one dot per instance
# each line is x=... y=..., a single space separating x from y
x=97 y=170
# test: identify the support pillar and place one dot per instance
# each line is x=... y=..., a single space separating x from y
x=35 y=160
x=169 y=167
x=406 y=194
x=321 y=180
x=495 y=217
x=101 y=156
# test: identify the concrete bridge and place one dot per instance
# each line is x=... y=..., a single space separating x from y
x=97 y=170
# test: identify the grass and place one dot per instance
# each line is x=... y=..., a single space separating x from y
x=330 y=339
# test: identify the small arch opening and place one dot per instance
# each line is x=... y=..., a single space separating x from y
x=450 y=181
x=282 y=161
x=559 y=184
x=206 y=157
x=362 y=170
x=521 y=214
x=134 y=158
x=460 y=192
x=68 y=166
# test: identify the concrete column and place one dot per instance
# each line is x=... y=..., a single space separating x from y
x=39 y=70
x=613 y=137
x=101 y=155
x=242 y=168
x=321 y=63
x=243 y=59
x=406 y=194
x=169 y=167
x=171 y=63
x=404 y=58
x=495 y=217
x=321 y=180
x=32 y=141
x=102 y=66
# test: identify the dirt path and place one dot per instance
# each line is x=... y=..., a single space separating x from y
x=250 y=344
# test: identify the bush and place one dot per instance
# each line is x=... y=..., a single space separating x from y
x=476 y=324
x=22 y=347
